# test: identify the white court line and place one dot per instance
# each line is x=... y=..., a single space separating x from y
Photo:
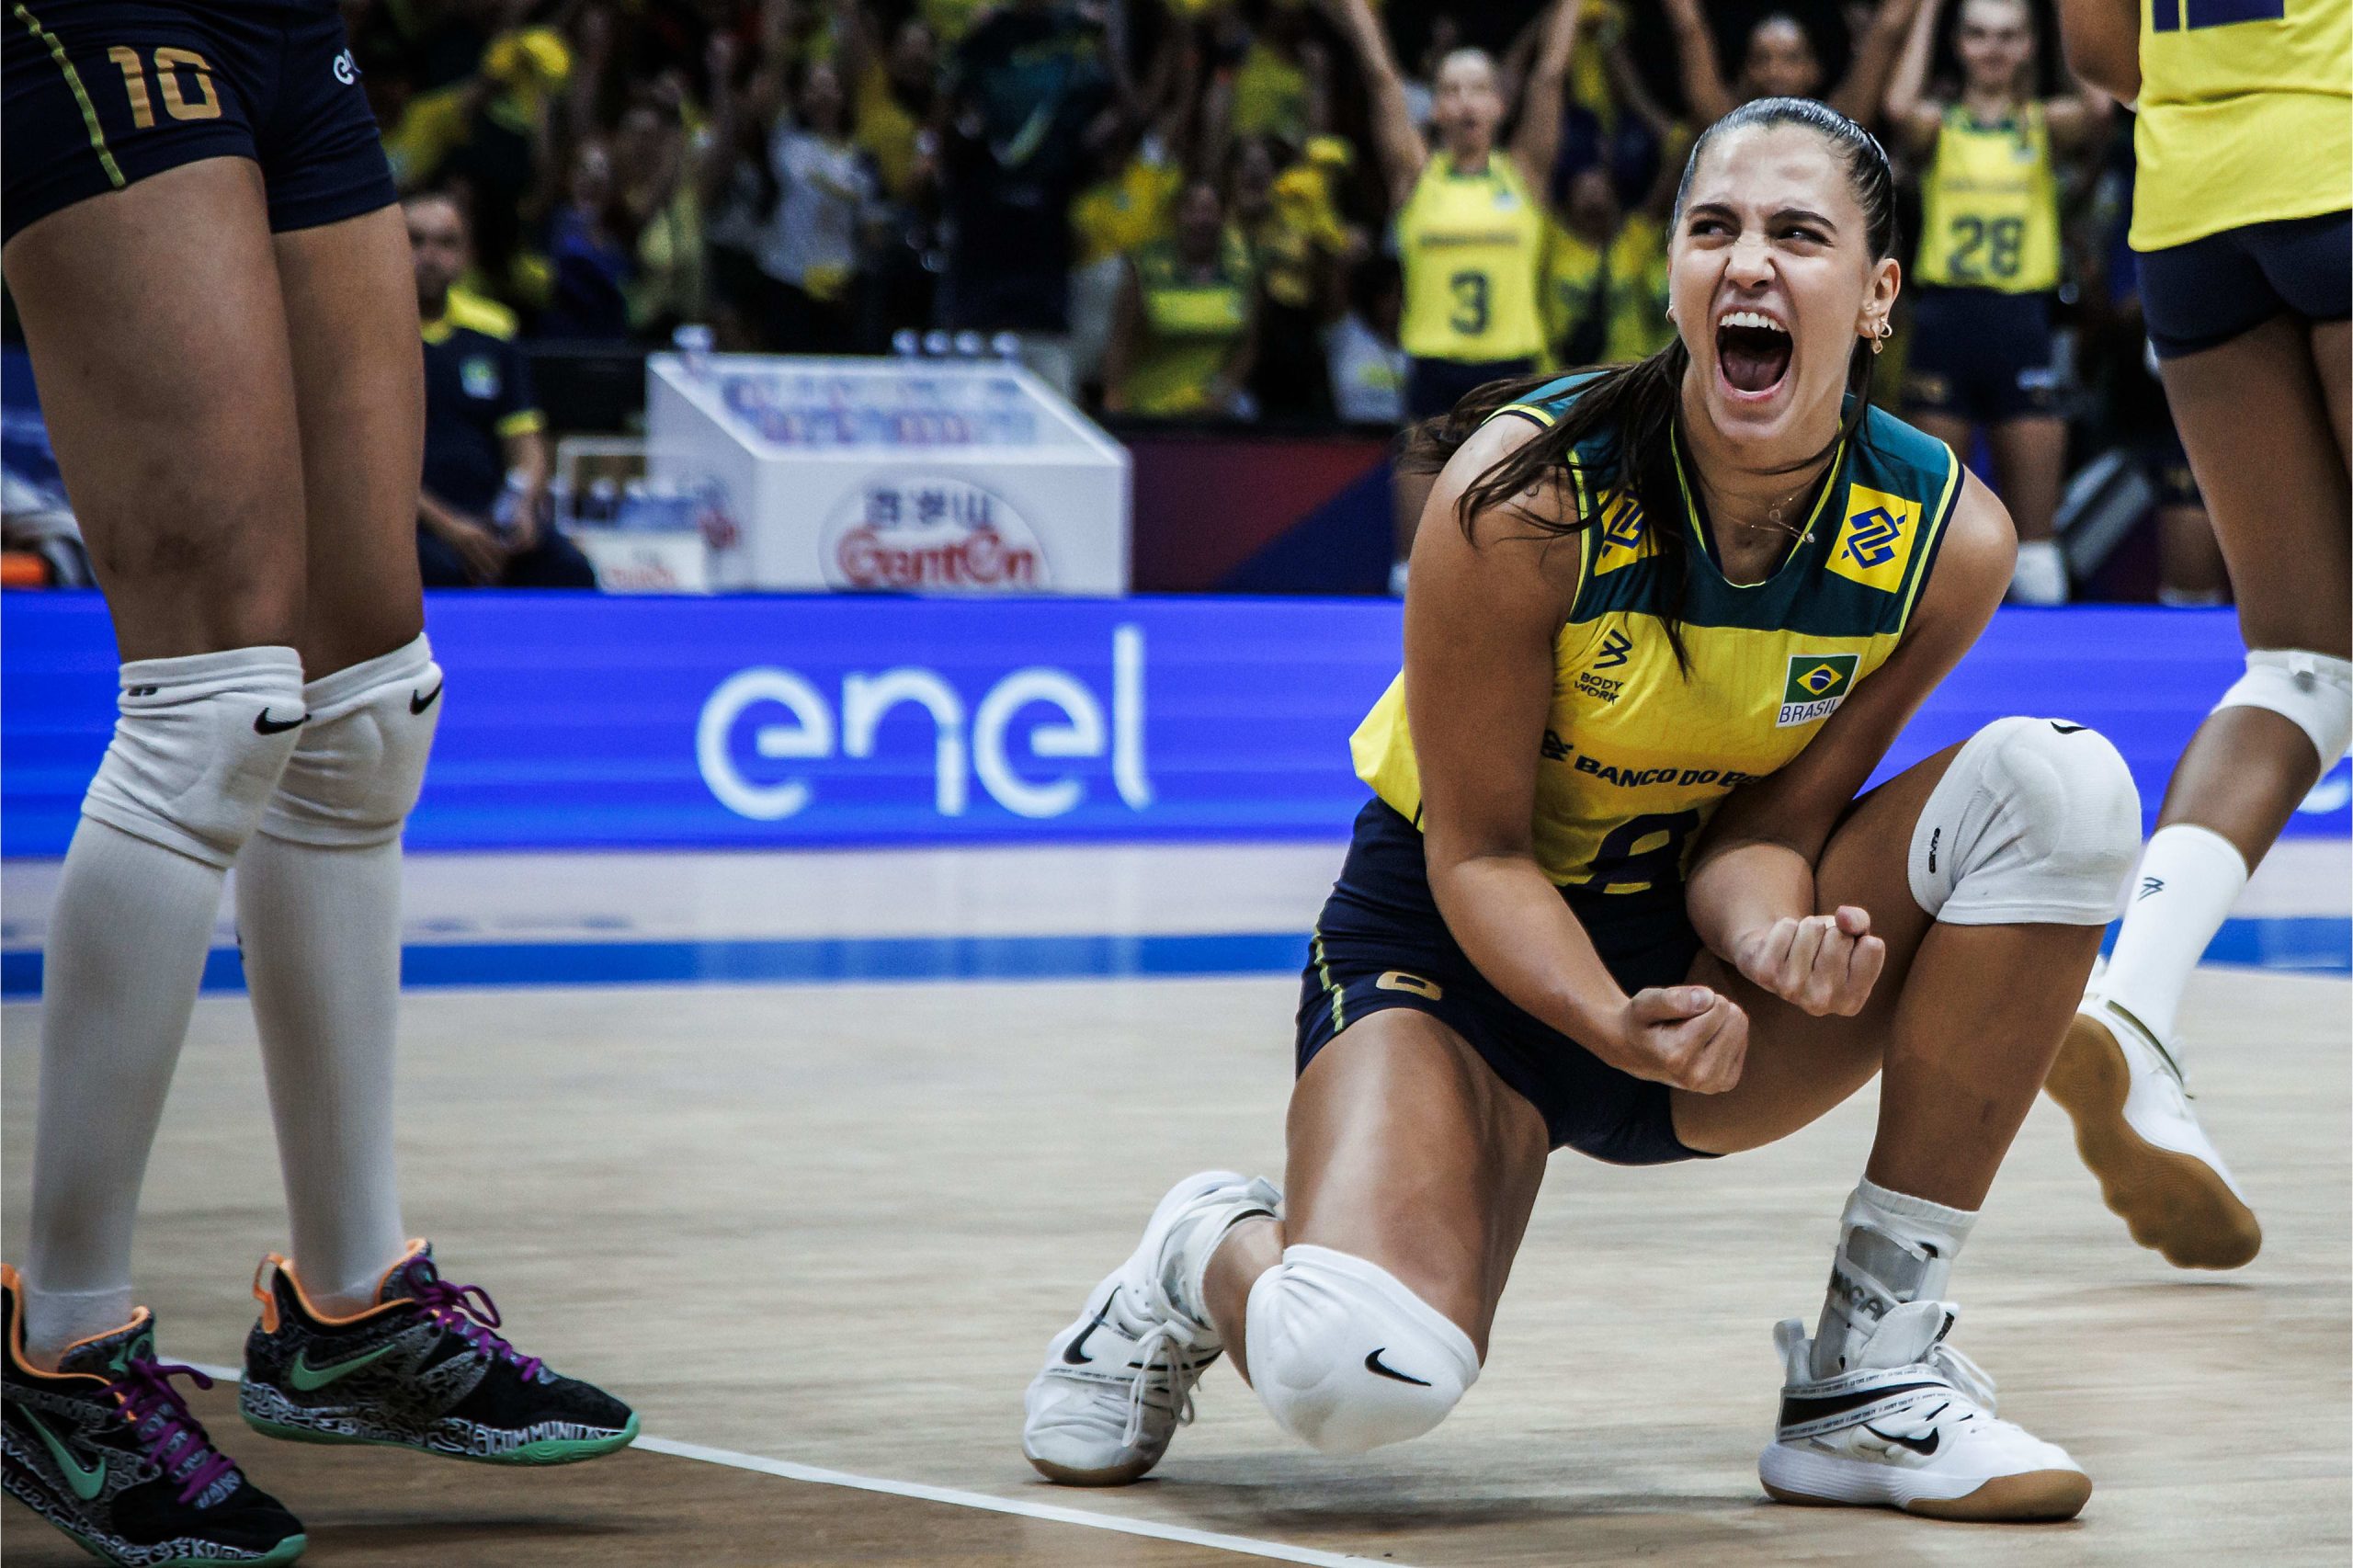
x=1184 y=1535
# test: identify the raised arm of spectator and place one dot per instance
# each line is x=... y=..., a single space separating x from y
x=858 y=43
x=1316 y=64
x=1703 y=78
x=1179 y=123
x=2077 y=117
x=715 y=156
x=1913 y=116
x=1127 y=334
x=1403 y=150
x=1538 y=136
x=1626 y=85
x=779 y=24
x=1857 y=96
x=2103 y=44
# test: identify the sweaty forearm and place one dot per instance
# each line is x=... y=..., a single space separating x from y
x=1514 y=925
x=1744 y=887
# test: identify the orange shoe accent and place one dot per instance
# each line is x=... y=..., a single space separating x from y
x=15 y=1284
x=264 y=1294
x=286 y=1266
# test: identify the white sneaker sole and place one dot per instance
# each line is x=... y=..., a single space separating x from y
x=1814 y=1480
x=2174 y=1204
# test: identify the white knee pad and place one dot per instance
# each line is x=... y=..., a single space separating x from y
x=198 y=743
x=361 y=763
x=2036 y=821
x=1345 y=1357
x=2312 y=691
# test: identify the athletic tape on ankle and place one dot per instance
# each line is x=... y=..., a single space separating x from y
x=198 y=743
x=2035 y=821
x=2312 y=691
x=357 y=775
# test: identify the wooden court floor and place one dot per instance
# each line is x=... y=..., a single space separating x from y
x=834 y=1226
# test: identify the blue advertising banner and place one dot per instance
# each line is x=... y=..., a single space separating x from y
x=580 y=721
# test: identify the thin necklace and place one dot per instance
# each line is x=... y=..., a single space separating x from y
x=1774 y=515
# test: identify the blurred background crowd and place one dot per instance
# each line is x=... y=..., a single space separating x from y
x=1272 y=215
x=1188 y=208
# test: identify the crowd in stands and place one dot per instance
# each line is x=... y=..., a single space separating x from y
x=1222 y=210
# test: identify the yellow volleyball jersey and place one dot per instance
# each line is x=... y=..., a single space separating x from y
x=1638 y=755
x=1192 y=327
x=2245 y=116
x=1989 y=206
x=1472 y=250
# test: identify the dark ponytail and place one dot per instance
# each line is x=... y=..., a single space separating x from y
x=1631 y=409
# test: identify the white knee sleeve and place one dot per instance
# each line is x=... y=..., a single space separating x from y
x=198 y=745
x=2036 y=821
x=361 y=763
x=1345 y=1357
x=2312 y=691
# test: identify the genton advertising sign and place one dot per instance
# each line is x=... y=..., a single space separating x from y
x=932 y=534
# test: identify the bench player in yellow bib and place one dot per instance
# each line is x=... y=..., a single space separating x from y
x=1987 y=274
x=1616 y=891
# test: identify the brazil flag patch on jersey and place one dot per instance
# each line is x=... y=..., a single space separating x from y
x=1875 y=541
x=1816 y=685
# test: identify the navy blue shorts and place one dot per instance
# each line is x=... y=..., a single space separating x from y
x=97 y=95
x=1980 y=354
x=1434 y=386
x=2203 y=294
x=1381 y=943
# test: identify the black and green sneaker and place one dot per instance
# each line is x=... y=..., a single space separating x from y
x=419 y=1369
x=106 y=1449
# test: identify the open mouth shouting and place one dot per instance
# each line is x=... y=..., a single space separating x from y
x=1752 y=353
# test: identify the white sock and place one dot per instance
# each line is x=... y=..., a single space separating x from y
x=321 y=930
x=1893 y=1248
x=2189 y=878
x=319 y=917
x=2041 y=575
x=126 y=940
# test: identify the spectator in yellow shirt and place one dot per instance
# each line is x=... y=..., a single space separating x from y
x=1185 y=332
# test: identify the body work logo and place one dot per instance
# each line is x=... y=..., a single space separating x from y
x=1616 y=649
x=1816 y=685
x=932 y=535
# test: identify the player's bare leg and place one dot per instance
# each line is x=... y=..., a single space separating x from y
x=318 y=889
x=2029 y=456
x=318 y=916
x=2264 y=430
x=1877 y=1408
x=168 y=389
x=152 y=317
x=1362 y=1310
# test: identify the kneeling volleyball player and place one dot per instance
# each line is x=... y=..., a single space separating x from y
x=1616 y=892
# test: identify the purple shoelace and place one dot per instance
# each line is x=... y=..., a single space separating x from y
x=468 y=1310
x=176 y=1438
